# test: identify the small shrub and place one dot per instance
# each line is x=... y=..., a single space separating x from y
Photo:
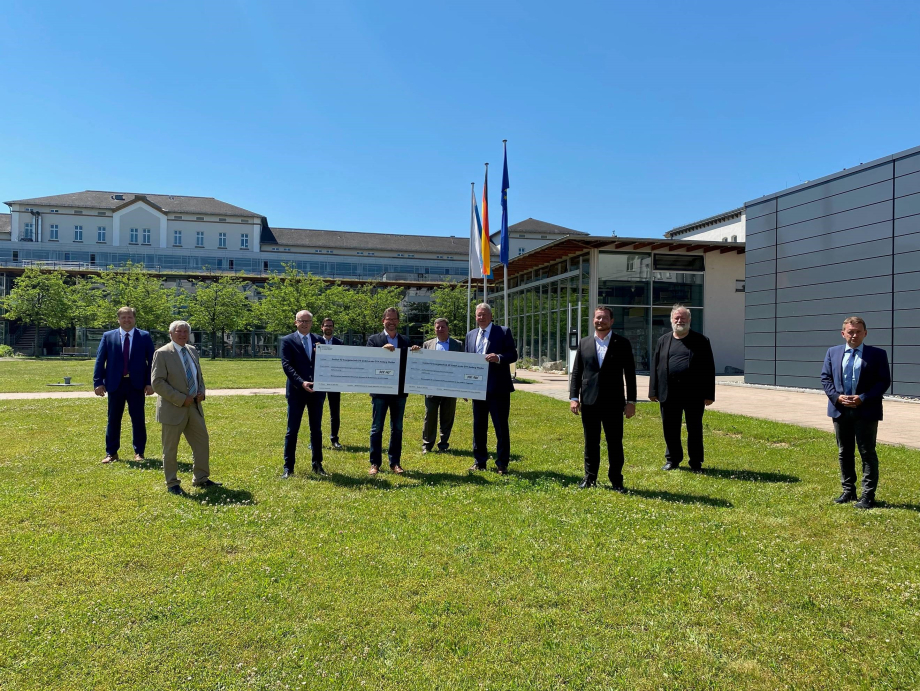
x=6 y=351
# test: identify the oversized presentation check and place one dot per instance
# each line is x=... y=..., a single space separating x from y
x=442 y=373
x=356 y=369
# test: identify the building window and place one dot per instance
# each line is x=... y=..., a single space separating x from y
x=244 y=241
x=52 y=211
x=734 y=238
x=222 y=240
x=27 y=231
x=100 y=213
x=53 y=232
x=199 y=218
x=100 y=233
x=177 y=238
x=15 y=255
x=265 y=266
x=78 y=233
x=739 y=286
x=199 y=238
x=520 y=251
x=132 y=236
x=221 y=219
x=145 y=234
x=231 y=264
x=77 y=211
x=724 y=239
x=92 y=259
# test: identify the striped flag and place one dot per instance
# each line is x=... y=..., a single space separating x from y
x=505 y=240
x=475 y=238
x=484 y=240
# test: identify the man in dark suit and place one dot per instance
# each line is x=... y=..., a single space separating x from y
x=855 y=377
x=334 y=397
x=298 y=353
x=122 y=370
x=446 y=405
x=602 y=363
x=391 y=340
x=683 y=382
x=497 y=345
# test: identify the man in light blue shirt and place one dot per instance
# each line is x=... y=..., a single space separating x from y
x=446 y=405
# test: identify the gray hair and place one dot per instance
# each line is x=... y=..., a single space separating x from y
x=485 y=306
x=441 y=319
x=682 y=308
x=176 y=324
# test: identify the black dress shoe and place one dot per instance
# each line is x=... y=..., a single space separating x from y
x=208 y=483
x=175 y=489
x=845 y=498
x=587 y=483
x=696 y=467
x=477 y=468
x=337 y=446
x=865 y=503
x=619 y=489
x=288 y=473
x=319 y=470
x=670 y=465
x=442 y=449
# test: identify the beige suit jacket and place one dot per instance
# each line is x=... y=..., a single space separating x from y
x=453 y=344
x=169 y=382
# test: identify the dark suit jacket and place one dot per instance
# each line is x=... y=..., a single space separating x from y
x=699 y=381
x=380 y=340
x=874 y=380
x=109 y=360
x=297 y=367
x=332 y=341
x=591 y=382
x=501 y=342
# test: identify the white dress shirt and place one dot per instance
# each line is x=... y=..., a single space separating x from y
x=122 y=333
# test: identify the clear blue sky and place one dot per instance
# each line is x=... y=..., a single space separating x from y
x=374 y=116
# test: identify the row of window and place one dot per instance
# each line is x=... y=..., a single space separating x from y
x=134 y=235
x=199 y=239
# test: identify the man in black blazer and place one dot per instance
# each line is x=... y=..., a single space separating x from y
x=855 y=378
x=497 y=345
x=391 y=339
x=298 y=354
x=334 y=397
x=683 y=382
x=602 y=363
x=122 y=371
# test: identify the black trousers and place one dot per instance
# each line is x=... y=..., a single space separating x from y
x=608 y=415
x=314 y=405
x=335 y=407
x=125 y=393
x=498 y=407
x=448 y=409
x=690 y=408
x=854 y=433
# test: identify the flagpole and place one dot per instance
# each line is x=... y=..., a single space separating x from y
x=504 y=224
x=469 y=277
x=485 y=225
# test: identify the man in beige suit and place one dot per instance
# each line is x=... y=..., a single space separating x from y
x=445 y=405
x=176 y=378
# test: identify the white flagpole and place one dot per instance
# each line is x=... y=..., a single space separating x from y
x=469 y=278
x=485 y=211
x=505 y=206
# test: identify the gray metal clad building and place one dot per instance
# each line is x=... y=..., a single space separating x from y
x=845 y=244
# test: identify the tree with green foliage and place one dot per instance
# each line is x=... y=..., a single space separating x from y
x=284 y=295
x=448 y=301
x=338 y=303
x=39 y=298
x=87 y=303
x=133 y=286
x=218 y=307
x=369 y=303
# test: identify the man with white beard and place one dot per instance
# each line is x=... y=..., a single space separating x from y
x=683 y=383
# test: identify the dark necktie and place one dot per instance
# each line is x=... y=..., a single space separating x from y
x=848 y=373
x=125 y=353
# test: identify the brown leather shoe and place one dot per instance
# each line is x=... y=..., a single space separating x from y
x=110 y=458
x=373 y=470
x=138 y=458
x=397 y=469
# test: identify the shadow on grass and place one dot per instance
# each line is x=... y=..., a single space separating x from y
x=675 y=498
x=745 y=475
x=540 y=477
x=907 y=507
x=220 y=495
x=156 y=464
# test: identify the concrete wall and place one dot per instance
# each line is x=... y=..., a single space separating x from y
x=723 y=309
x=817 y=253
x=718 y=232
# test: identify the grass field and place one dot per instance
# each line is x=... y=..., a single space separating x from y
x=30 y=375
x=745 y=576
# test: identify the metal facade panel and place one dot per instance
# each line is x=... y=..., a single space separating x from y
x=906 y=337
x=904 y=282
x=803 y=353
x=800 y=382
x=760 y=269
x=759 y=367
x=837 y=186
x=760 y=338
x=761 y=224
x=878 y=320
x=867 y=268
x=905 y=389
x=759 y=241
x=839 y=255
x=833 y=289
x=864 y=196
x=907 y=300
x=755 y=283
x=761 y=297
x=907 y=373
x=759 y=325
x=799 y=369
x=825 y=338
x=907 y=243
x=907 y=206
x=755 y=210
x=907 y=225
x=761 y=255
x=863 y=216
x=907 y=184
x=908 y=354
x=907 y=165
x=759 y=311
x=766 y=379
x=849 y=305
x=842 y=238
x=906 y=318
x=758 y=353
x=906 y=262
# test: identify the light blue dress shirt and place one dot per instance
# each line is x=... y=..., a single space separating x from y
x=392 y=341
x=442 y=345
x=857 y=364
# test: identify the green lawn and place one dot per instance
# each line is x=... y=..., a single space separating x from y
x=30 y=375
x=745 y=577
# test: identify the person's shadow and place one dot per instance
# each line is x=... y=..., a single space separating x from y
x=156 y=464
x=906 y=507
x=220 y=495
x=744 y=475
x=675 y=498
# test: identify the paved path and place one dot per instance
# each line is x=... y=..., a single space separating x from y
x=900 y=426
x=808 y=409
